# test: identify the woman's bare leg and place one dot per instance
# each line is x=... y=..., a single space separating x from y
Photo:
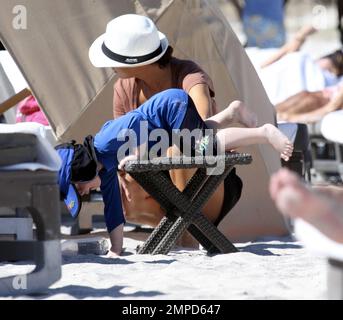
x=290 y=102
x=312 y=103
x=311 y=117
x=294 y=199
x=302 y=102
x=316 y=115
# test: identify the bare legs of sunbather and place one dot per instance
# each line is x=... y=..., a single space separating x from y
x=322 y=209
x=300 y=103
x=309 y=107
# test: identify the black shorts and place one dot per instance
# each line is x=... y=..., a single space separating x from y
x=233 y=186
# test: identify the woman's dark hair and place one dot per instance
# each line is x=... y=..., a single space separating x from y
x=337 y=60
x=165 y=59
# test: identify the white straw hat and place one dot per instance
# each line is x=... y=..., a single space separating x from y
x=130 y=40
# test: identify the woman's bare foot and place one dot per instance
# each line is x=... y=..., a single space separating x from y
x=294 y=199
x=279 y=141
x=242 y=114
x=290 y=194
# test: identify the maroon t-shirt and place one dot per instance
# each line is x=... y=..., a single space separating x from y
x=185 y=75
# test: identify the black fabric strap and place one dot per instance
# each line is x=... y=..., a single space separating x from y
x=130 y=60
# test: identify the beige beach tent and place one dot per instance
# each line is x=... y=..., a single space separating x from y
x=50 y=39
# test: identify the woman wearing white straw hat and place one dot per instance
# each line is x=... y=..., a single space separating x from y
x=142 y=58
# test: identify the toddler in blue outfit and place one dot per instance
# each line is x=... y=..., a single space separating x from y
x=133 y=135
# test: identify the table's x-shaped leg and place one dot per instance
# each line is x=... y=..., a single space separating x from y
x=183 y=211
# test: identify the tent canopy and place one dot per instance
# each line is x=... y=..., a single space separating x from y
x=52 y=53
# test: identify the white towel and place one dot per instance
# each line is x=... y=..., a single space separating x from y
x=331 y=126
x=288 y=76
x=317 y=242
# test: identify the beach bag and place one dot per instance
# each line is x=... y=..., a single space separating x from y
x=29 y=111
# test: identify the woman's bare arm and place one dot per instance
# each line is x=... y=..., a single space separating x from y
x=291 y=46
x=201 y=97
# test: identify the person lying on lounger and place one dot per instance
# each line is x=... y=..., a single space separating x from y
x=298 y=84
x=327 y=62
x=173 y=111
x=320 y=206
x=310 y=107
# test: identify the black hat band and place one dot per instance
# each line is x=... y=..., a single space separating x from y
x=130 y=60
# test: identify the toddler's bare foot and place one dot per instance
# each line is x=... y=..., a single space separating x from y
x=279 y=141
x=243 y=115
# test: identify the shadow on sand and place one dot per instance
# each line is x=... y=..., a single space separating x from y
x=107 y=261
x=263 y=249
x=82 y=292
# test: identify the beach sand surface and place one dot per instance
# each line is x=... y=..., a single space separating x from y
x=271 y=268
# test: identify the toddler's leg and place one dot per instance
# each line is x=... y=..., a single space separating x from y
x=236 y=112
x=232 y=138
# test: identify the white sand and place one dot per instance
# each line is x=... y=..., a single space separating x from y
x=268 y=269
